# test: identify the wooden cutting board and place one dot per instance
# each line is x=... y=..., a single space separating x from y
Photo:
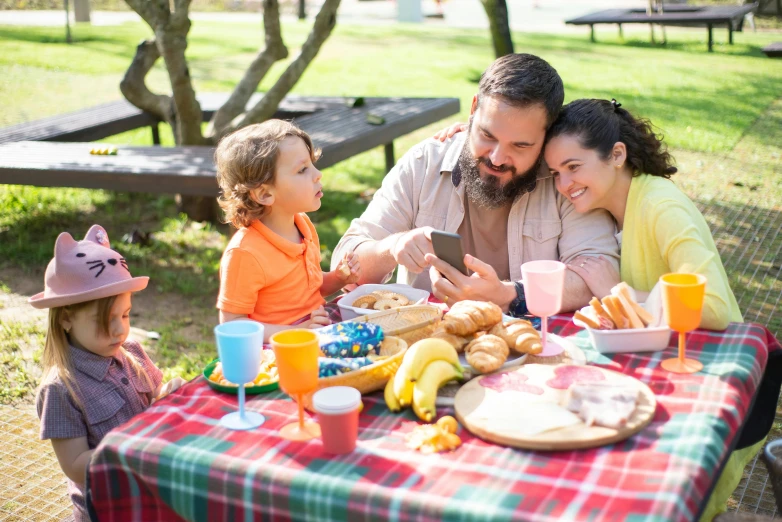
x=510 y=407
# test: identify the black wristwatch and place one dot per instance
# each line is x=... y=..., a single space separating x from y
x=518 y=307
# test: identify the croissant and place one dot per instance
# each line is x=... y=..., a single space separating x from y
x=487 y=353
x=520 y=336
x=457 y=341
x=468 y=317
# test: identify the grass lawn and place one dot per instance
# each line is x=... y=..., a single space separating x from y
x=708 y=105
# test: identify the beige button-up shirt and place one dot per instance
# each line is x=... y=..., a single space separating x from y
x=425 y=189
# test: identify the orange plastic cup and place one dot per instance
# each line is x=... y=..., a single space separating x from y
x=683 y=300
x=297 y=367
x=297 y=360
x=682 y=306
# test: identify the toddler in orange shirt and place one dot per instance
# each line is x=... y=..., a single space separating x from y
x=270 y=271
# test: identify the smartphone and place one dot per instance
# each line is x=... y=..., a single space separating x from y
x=448 y=247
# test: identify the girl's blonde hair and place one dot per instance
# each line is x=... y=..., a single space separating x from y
x=246 y=160
x=56 y=358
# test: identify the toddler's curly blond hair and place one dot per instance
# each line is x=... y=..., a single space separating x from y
x=246 y=160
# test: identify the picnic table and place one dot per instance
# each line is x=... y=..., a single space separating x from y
x=709 y=16
x=339 y=130
x=174 y=462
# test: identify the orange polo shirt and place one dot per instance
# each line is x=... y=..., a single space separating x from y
x=269 y=278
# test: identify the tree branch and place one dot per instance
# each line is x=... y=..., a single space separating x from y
x=275 y=50
x=181 y=11
x=172 y=43
x=265 y=108
x=134 y=88
x=153 y=13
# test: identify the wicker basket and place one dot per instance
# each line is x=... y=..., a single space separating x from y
x=409 y=323
x=369 y=378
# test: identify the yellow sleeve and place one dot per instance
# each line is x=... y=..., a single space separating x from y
x=685 y=250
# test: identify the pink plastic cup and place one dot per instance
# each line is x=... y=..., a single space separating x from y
x=337 y=408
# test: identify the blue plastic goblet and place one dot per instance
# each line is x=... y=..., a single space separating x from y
x=239 y=345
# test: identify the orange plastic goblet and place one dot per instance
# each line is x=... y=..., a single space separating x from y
x=682 y=305
x=297 y=366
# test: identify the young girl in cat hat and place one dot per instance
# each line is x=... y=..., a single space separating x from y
x=94 y=378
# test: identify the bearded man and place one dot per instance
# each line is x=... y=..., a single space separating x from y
x=488 y=185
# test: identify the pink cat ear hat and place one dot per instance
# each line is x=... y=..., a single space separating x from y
x=84 y=271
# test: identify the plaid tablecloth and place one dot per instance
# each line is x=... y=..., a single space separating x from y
x=174 y=462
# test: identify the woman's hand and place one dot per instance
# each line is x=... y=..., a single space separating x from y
x=450 y=131
x=318 y=318
x=597 y=272
x=349 y=269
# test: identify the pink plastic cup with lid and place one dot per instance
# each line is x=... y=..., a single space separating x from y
x=337 y=408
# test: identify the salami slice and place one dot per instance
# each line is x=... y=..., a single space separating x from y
x=564 y=376
x=515 y=381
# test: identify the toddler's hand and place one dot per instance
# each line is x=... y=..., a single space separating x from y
x=349 y=269
x=171 y=386
x=318 y=318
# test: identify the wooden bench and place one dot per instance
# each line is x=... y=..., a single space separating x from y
x=773 y=50
x=710 y=16
x=105 y=120
x=340 y=131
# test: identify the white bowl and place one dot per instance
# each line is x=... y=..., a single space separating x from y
x=351 y=312
x=650 y=339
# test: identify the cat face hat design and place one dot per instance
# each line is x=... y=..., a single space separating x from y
x=85 y=270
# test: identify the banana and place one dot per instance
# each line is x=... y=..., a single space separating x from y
x=428 y=350
x=403 y=386
x=391 y=401
x=435 y=374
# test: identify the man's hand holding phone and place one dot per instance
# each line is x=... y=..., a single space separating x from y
x=450 y=284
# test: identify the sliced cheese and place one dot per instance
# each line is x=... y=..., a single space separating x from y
x=606 y=404
x=505 y=416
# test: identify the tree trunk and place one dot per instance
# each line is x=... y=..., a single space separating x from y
x=497 y=11
x=181 y=109
x=81 y=10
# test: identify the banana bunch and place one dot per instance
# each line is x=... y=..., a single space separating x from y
x=427 y=366
x=103 y=151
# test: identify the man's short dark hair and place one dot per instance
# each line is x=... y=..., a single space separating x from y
x=522 y=80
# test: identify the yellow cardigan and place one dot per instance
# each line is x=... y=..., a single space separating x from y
x=664 y=232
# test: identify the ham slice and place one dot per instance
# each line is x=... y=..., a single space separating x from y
x=605 y=404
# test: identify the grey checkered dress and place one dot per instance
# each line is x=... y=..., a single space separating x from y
x=111 y=394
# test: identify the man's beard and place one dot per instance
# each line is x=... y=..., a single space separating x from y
x=488 y=192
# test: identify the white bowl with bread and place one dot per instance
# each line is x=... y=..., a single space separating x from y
x=369 y=299
x=619 y=324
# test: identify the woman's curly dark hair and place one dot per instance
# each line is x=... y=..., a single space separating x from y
x=246 y=160
x=599 y=124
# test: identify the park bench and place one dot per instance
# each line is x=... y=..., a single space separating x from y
x=341 y=131
x=101 y=121
x=773 y=50
x=709 y=16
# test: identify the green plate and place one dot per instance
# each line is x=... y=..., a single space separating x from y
x=250 y=390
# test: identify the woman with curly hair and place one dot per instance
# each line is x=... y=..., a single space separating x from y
x=603 y=157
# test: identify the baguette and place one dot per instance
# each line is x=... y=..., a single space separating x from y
x=587 y=320
x=601 y=312
x=612 y=305
x=627 y=310
x=623 y=290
